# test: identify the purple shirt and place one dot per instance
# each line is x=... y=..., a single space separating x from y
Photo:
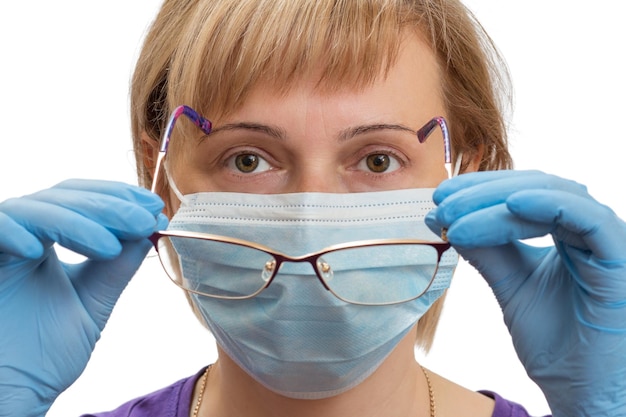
x=175 y=401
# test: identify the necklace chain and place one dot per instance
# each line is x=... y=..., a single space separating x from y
x=201 y=393
x=431 y=394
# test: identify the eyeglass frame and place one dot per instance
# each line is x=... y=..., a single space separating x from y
x=312 y=258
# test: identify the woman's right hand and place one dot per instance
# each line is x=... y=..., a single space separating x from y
x=52 y=313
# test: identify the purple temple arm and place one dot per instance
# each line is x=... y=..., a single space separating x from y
x=428 y=128
x=204 y=124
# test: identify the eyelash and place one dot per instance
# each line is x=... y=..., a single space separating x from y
x=229 y=159
x=397 y=156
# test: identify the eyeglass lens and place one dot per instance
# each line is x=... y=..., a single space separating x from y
x=380 y=274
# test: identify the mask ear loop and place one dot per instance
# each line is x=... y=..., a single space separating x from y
x=454 y=171
x=457 y=165
x=451 y=174
x=172 y=184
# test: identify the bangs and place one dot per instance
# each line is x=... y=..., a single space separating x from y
x=228 y=48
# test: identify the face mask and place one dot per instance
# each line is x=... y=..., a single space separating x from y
x=295 y=337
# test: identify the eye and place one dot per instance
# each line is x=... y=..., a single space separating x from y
x=379 y=163
x=248 y=163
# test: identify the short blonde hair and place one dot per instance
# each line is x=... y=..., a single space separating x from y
x=209 y=54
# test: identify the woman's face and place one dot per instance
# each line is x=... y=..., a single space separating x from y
x=311 y=140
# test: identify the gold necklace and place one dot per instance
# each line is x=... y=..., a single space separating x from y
x=431 y=394
x=201 y=393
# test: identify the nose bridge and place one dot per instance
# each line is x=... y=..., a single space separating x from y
x=320 y=182
x=322 y=174
x=316 y=155
x=302 y=266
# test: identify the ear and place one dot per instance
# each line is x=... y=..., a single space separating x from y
x=472 y=160
x=150 y=151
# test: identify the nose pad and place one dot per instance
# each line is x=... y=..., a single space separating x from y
x=325 y=270
x=303 y=271
x=268 y=270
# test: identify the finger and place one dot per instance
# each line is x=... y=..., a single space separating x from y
x=17 y=241
x=495 y=191
x=504 y=267
x=99 y=283
x=433 y=224
x=493 y=226
x=579 y=221
x=162 y=222
x=488 y=240
x=464 y=181
x=51 y=223
x=131 y=193
x=125 y=219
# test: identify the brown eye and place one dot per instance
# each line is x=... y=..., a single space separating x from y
x=378 y=162
x=247 y=162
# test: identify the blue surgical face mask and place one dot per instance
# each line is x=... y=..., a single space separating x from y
x=295 y=337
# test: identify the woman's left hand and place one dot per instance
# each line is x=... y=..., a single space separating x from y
x=564 y=305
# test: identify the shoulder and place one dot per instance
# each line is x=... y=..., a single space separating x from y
x=505 y=408
x=171 y=401
x=471 y=403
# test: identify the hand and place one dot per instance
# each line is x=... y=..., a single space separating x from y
x=52 y=313
x=565 y=305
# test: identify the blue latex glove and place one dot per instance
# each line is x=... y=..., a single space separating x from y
x=51 y=313
x=565 y=306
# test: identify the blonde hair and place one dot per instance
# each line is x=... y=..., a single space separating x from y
x=209 y=54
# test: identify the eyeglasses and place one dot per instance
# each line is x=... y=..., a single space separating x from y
x=350 y=271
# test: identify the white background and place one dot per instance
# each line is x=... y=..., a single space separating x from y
x=64 y=75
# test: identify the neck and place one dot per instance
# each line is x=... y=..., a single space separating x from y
x=397 y=388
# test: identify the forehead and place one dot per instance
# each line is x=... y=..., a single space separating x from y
x=411 y=84
x=312 y=129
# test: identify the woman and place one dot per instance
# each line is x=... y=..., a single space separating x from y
x=298 y=113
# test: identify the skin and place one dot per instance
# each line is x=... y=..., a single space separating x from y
x=313 y=140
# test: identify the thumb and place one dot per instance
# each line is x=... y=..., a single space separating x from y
x=504 y=267
x=99 y=283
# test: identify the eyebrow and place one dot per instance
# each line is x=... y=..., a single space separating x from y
x=273 y=131
x=280 y=134
x=363 y=129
